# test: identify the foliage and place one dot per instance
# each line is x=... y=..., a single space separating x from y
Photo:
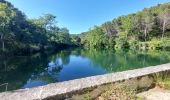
x=96 y=35
x=17 y=33
x=75 y=39
x=6 y=17
x=162 y=80
x=131 y=30
x=140 y=30
x=122 y=41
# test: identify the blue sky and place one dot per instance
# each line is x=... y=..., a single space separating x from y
x=79 y=15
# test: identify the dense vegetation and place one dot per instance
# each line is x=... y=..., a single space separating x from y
x=18 y=33
x=147 y=29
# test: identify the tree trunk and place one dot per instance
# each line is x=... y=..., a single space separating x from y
x=126 y=35
x=163 y=29
x=3 y=46
x=145 y=33
x=3 y=43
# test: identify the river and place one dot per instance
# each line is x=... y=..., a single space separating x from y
x=41 y=69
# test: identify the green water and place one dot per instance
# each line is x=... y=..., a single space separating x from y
x=41 y=69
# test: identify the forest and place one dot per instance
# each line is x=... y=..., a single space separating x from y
x=146 y=29
x=18 y=34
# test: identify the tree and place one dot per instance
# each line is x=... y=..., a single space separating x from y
x=53 y=34
x=46 y=27
x=76 y=40
x=6 y=16
x=46 y=21
x=95 y=38
x=64 y=36
x=110 y=29
x=132 y=29
x=18 y=33
x=147 y=24
x=127 y=23
x=164 y=19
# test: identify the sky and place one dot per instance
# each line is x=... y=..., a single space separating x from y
x=80 y=15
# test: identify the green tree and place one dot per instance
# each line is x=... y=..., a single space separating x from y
x=95 y=38
x=110 y=29
x=64 y=36
x=75 y=39
x=164 y=20
x=147 y=24
x=6 y=16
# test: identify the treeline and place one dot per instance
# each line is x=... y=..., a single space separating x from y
x=147 y=29
x=18 y=34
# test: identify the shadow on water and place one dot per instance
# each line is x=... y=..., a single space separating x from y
x=41 y=69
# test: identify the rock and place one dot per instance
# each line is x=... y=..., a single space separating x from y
x=155 y=94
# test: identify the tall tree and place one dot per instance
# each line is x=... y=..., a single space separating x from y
x=64 y=36
x=164 y=19
x=147 y=24
x=6 y=16
x=111 y=29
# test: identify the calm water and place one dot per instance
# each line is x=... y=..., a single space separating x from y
x=42 y=69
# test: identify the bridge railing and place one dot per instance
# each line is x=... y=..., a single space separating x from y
x=6 y=86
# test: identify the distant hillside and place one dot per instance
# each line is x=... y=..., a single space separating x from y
x=146 y=28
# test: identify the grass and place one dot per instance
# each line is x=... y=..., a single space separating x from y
x=118 y=92
x=162 y=80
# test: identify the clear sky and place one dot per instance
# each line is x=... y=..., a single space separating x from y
x=79 y=15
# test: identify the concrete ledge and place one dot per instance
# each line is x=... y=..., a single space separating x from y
x=58 y=89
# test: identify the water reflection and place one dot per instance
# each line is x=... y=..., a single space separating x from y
x=42 y=69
